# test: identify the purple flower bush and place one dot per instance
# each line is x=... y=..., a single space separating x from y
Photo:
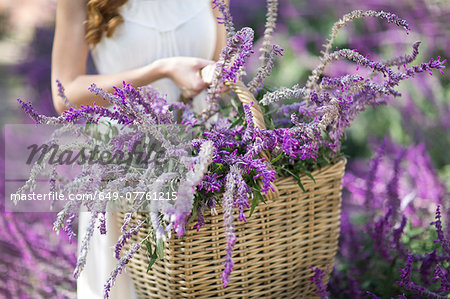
x=423 y=112
x=385 y=247
x=35 y=69
x=304 y=129
x=417 y=185
x=28 y=255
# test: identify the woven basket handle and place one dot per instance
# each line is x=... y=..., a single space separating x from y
x=246 y=97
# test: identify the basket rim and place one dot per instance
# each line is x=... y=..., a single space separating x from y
x=340 y=162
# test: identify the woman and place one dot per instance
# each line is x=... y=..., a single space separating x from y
x=164 y=43
x=137 y=41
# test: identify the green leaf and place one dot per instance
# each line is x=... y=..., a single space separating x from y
x=271 y=124
x=308 y=173
x=236 y=105
x=160 y=249
x=153 y=259
x=219 y=166
x=236 y=122
x=276 y=158
x=297 y=178
x=256 y=198
x=299 y=182
x=148 y=245
x=151 y=255
x=270 y=112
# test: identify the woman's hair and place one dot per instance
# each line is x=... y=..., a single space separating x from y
x=102 y=17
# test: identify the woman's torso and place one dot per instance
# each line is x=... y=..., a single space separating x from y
x=154 y=29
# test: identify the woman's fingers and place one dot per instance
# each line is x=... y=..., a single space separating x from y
x=186 y=72
x=207 y=73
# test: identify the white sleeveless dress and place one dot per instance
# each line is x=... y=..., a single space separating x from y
x=152 y=29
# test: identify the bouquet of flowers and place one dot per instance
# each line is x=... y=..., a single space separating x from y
x=228 y=155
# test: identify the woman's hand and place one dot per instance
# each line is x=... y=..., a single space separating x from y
x=185 y=73
x=207 y=74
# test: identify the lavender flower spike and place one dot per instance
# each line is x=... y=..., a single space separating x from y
x=244 y=38
x=271 y=18
x=441 y=275
x=123 y=239
x=357 y=14
x=62 y=94
x=265 y=69
x=284 y=93
x=186 y=190
x=226 y=18
x=227 y=204
x=407 y=283
x=402 y=60
x=38 y=119
x=85 y=246
x=228 y=67
x=318 y=281
x=119 y=267
x=440 y=233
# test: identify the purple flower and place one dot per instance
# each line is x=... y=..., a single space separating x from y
x=226 y=18
x=372 y=295
x=405 y=273
x=379 y=233
x=370 y=181
x=428 y=262
x=317 y=278
x=407 y=283
x=405 y=59
x=248 y=133
x=267 y=175
x=265 y=70
x=126 y=220
x=441 y=274
x=68 y=227
x=243 y=40
x=393 y=199
x=87 y=112
x=123 y=239
x=228 y=211
x=210 y=183
x=396 y=236
x=200 y=218
x=28 y=108
x=62 y=95
x=241 y=193
x=440 y=233
x=118 y=269
x=187 y=188
x=228 y=67
x=290 y=145
x=81 y=262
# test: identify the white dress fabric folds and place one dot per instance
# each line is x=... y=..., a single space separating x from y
x=152 y=29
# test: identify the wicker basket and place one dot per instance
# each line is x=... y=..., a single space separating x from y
x=274 y=250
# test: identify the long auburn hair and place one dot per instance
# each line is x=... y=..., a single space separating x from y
x=102 y=18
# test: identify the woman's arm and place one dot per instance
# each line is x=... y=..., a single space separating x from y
x=221 y=33
x=69 y=56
